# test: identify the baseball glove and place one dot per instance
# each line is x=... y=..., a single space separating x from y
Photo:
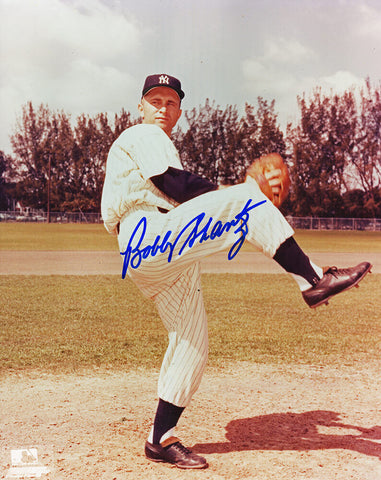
x=268 y=163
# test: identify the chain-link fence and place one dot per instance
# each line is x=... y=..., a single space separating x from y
x=304 y=223
x=315 y=223
x=54 y=217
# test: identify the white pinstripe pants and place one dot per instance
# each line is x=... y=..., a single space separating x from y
x=175 y=286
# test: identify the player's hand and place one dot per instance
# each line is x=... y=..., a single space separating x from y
x=274 y=179
x=271 y=174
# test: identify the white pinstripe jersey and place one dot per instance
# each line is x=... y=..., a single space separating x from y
x=139 y=153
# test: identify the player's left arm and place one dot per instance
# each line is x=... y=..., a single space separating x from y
x=182 y=185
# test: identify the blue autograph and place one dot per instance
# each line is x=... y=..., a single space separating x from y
x=134 y=253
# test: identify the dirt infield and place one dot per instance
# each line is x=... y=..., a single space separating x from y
x=110 y=263
x=250 y=422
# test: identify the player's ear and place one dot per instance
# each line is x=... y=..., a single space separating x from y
x=141 y=110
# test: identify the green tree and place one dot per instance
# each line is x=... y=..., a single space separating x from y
x=364 y=166
x=211 y=145
x=321 y=145
x=31 y=158
x=220 y=145
x=59 y=147
x=93 y=138
x=336 y=149
x=122 y=121
x=43 y=145
x=262 y=133
x=5 y=161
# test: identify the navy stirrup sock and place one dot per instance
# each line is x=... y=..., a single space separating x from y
x=292 y=258
x=167 y=416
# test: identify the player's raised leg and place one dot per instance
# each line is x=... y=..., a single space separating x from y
x=208 y=224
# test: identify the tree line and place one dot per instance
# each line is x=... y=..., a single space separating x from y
x=333 y=152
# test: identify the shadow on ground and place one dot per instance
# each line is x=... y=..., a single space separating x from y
x=295 y=431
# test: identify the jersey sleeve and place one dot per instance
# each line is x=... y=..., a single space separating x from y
x=140 y=152
x=152 y=150
x=182 y=185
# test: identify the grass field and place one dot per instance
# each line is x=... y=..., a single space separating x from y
x=93 y=237
x=67 y=323
x=55 y=236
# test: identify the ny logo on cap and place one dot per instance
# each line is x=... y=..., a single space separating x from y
x=164 y=79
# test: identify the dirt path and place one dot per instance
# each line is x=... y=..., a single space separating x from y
x=261 y=422
x=110 y=263
x=250 y=421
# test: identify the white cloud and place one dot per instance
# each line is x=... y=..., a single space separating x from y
x=100 y=88
x=276 y=71
x=266 y=79
x=283 y=73
x=369 y=21
x=285 y=51
x=340 y=81
x=72 y=56
x=43 y=29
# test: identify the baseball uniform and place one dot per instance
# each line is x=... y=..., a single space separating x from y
x=161 y=251
x=167 y=220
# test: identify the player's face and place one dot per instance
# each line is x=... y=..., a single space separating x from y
x=161 y=106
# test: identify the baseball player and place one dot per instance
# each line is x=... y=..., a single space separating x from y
x=167 y=220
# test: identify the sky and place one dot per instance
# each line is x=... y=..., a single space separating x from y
x=91 y=56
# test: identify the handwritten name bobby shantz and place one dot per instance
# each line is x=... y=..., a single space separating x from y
x=135 y=252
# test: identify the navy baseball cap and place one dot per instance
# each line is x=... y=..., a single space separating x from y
x=162 y=80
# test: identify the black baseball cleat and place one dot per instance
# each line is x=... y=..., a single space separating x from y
x=172 y=451
x=334 y=281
